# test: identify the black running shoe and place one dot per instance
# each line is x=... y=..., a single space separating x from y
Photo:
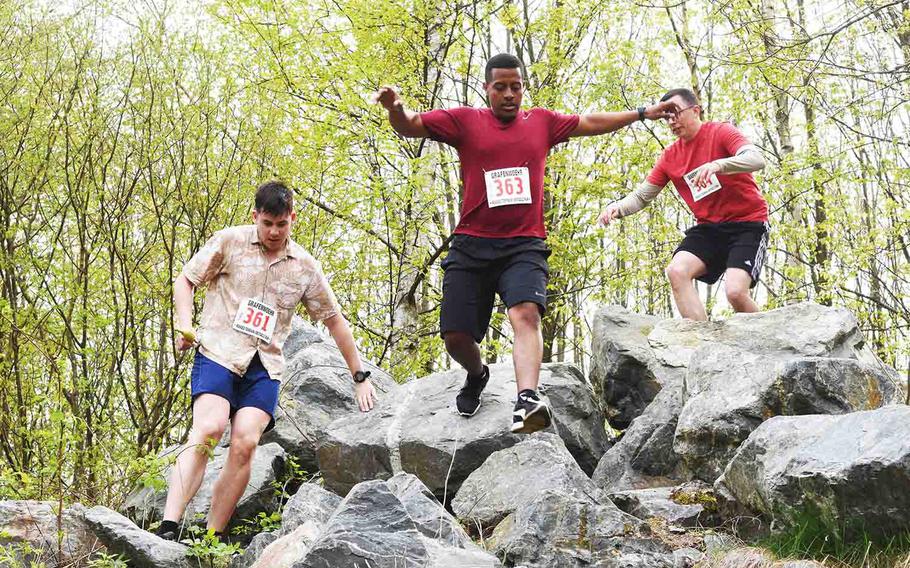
x=168 y=530
x=468 y=400
x=531 y=414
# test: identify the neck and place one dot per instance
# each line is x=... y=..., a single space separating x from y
x=694 y=132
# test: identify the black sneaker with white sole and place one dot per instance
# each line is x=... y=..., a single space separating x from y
x=168 y=530
x=468 y=400
x=531 y=414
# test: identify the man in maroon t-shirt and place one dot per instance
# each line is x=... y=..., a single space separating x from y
x=711 y=165
x=499 y=245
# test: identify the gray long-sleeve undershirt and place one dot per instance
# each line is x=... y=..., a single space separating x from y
x=747 y=159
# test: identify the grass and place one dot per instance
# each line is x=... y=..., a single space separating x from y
x=839 y=547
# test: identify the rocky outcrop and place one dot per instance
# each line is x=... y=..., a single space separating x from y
x=509 y=476
x=29 y=531
x=770 y=355
x=420 y=432
x=372 y=527
x=142 y=548
x=729 y=392
x=558 y=529
x=146 y=505
x=848 y=473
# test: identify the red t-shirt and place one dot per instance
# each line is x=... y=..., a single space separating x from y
x=517 y=148
x=738 y=198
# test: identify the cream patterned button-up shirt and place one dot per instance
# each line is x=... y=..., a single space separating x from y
x=234 y=267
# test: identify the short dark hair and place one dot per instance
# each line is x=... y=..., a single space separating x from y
x=274 y=197
x=501 y=61
x=685 y=94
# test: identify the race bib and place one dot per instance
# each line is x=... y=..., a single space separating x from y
x=257 y=319
x=508 y=186
x=701 y=192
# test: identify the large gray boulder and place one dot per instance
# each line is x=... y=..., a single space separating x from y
x=29 y=530
x=645 y=455
x=429 y=516
x=730 y=391
x=310 y=504
x=568 y=531
x=316 y=390
x=509 y=476
x=849 y=472
x=141 y=548
x=146 y=505
x=373 y=528
x=624 y=371
x=419 y=431
x=302 y=521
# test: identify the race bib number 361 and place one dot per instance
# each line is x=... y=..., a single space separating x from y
x=257 y=319
x=508 y=186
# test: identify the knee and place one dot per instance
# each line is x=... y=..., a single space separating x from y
x=243 y=446
x=738 y=296
x=525 y=316
x=677 y=275
x=457 y=341
x=209 y=429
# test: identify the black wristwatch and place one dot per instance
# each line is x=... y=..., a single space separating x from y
x=641 y=113
x=361 y=376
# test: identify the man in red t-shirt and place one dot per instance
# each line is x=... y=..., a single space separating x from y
x=499 y=245
x=711 y=165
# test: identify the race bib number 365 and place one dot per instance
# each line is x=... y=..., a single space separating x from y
x=257 y=319
x=508 y=186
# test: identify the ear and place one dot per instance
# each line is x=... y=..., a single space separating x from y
x=255 y=216
x=293 y=215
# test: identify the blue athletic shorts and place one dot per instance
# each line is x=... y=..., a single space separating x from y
x=255 y=388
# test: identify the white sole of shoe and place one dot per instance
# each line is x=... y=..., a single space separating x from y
x=533 y=422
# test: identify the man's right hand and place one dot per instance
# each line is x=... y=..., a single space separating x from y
x=610 y=213
x=186 y=339
x=388 y=98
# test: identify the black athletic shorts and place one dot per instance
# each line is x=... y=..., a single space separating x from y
x=477 y=268
x=728 y=245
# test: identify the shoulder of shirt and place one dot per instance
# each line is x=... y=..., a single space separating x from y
x=237 y=234
x=303 y=255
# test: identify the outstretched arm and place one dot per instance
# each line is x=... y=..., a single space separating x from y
x=405 y=122
x=597 y=123
x=632 y=203
x=183 y=312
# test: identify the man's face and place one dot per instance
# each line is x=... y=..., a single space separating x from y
x=504 y=92
x=273 y=230
x=687 y=120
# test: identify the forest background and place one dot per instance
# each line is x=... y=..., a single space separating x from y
x=131 y=131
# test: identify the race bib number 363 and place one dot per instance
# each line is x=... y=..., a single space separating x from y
x=508 y=186
x=257 y=319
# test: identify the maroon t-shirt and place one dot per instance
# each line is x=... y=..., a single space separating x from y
x=502 y=150
x=738 y=198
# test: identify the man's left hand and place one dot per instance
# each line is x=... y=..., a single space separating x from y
x=664 y=110
x=703 y=177
x=365 y=395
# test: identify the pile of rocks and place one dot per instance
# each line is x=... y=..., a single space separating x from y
x=778 y=416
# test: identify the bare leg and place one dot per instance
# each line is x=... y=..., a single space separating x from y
x=527 y=353
x=462 y=347
x=682 y=271
x=247 y=427
x=737 y=282
x=210 y=417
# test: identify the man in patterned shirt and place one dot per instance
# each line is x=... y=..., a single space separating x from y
x=255 y=277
